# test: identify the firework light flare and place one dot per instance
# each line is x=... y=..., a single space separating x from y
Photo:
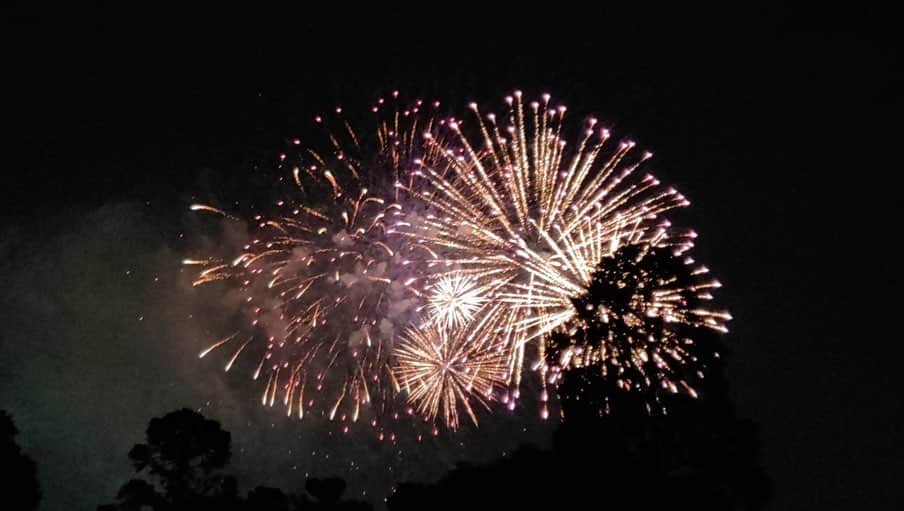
x=497 y=241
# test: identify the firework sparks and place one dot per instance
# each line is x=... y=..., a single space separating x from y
x=520 y=210
x=642 y=322
x=325 y=287
x=512 y=241
x=444 y=371
x=456 y=298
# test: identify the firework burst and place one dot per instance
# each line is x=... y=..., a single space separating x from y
x=325 y=286
x=519 y=209
x=445 y=371
x=490 y=240
x=455 y=298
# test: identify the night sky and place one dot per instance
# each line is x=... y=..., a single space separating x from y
x=780 y=126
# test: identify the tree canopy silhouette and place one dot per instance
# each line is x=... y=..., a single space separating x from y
x=21 y=490
x=328 y=494
x=695 y=455
x=264 y=498
x=322 y=495
x=183 y=449
x=181 y=464
x=180 y=461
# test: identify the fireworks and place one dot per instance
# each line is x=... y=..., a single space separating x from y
x=498 y=241
x=520 y=210
x=642 y=322
x=456 y=298
x=443 y=370
x=324 y=286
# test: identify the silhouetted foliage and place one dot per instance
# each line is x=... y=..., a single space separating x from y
x=136 y=495
x=322 y=495
x=327 y=494
x=697 y=455
x=181 y=459
x=263 y=498
x=21 y=490
x=326 y=491
x=611 y=314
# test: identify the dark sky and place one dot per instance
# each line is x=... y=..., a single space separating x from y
x=781 y=126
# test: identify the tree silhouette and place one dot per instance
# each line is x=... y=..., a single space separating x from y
x=264 y=498
x=615 y=316
x=327 y=494
x=326 y=491
x=696 y=455
x=136 y=495
x=181 y=463
x=181 y=460
x=21 y=490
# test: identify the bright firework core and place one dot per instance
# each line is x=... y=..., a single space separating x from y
x=500 y=238
x=455 y=299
